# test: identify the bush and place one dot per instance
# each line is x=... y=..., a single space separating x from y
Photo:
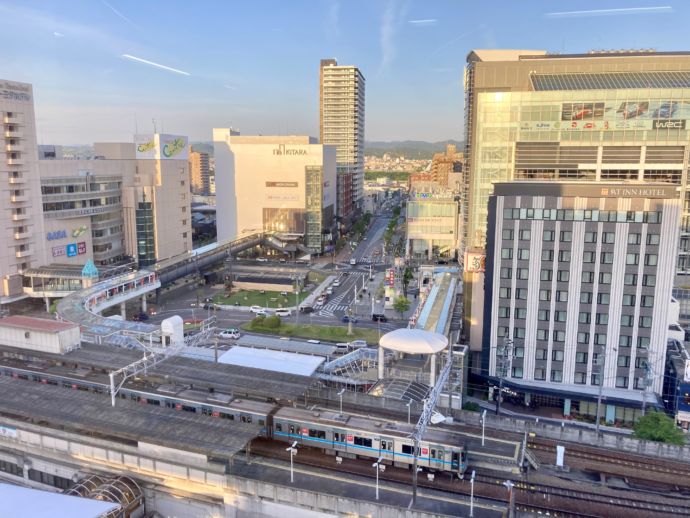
x=657 y=426
x=471 y=406
x=272 y=322
x=258 y=321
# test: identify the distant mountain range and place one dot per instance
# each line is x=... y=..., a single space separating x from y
x=409 y=148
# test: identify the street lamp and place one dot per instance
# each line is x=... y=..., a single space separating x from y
x=408 y=410
x=483 y=425
x=602 y=364
x=472 y=495
x=340 y=395
x=379 y=467
x=293 y=451
x=509 y=486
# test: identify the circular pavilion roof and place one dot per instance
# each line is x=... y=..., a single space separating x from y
x=413 y=341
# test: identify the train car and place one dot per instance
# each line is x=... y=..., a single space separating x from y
x=355 y=436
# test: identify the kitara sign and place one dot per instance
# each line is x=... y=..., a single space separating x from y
x=282 y=150
x=161 y=147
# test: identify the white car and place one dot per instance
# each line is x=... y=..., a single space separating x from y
x=283 y=312
x=256 y=309
x=336 y=283
x=231 y=333
x=353 y=262
x=314 y=341
x=358 y=344
x=262 y=313
x=261 y=260
x=329 y=290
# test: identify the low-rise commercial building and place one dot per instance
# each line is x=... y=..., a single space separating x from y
x=433 y=219
x=578 y=293
x=281 y=184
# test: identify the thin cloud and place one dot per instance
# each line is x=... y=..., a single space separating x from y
x=612 y=12
x=119 y=14
x=333 y=21
x=157 y=65
x=457 y=38
x=430 y=21
x=230 y=87
x=393 y=15
x=58 y=34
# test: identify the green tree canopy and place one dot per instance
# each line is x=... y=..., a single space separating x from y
x=657 y=426
x=401 y=305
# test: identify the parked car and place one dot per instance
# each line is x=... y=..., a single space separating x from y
x=358 y=344
x=348 y=318
x=261 y=260
x=377 y=317
x=212 y=307
x=342 y=348
x=284 y=293
x=256 y=309
x=232 y=333
x=306 y=309
x=283 y=312
x=140 y=317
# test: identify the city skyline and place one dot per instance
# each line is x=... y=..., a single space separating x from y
x=102 y=71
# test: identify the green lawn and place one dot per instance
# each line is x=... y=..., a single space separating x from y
x=326 y=333
x=316 y=277
x=270 y=299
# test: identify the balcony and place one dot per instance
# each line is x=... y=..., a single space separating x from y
x=15 y=161
x=22 y=253
x=15 y=118
x=17 y=148
x=22 y=235
x=14 y=133
x=19 y=198
x=16 y=180
x=19 y=217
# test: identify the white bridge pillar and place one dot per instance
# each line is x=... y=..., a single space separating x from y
x=382 y=355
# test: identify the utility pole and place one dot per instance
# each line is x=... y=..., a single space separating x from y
x=648 y=379
x=505 y=356
x=602 y=365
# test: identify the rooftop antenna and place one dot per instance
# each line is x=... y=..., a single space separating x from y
x=154 y=125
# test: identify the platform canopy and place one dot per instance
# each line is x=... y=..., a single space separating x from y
x=35 y=503
x=413 y=341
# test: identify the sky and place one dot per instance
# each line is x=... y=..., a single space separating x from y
x=105 y=69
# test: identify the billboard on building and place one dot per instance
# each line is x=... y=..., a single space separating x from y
x=616 y=115
x=475 y=262
x=161 y=146
x=145 y=146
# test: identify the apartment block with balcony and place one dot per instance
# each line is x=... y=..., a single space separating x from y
x=21 y=192
x=341 y=123
x=199 y=172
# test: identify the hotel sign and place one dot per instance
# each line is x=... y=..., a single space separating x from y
x=282 y=184
x=636 y=192
x=282 y=150
x=15 y=91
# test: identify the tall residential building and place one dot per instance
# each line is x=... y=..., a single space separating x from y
x=341 y=123
x=199 y=172
x=447 y=166
x=601 y=116
x=579 y=278
x=22 y=228
x=280 y=184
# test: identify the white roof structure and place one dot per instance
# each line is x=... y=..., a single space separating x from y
x=278 y=361
x=413 y=341
x=35 y=503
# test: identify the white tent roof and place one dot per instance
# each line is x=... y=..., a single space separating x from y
x=278 y=361
x=35 y=503
x=413 y=341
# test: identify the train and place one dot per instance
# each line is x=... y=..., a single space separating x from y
x=330 y=432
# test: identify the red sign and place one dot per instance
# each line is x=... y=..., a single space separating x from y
x=305 y=431
x=425 y=451
x=215 y=413
x=81 y=247
x=178 y=406
x=350 y=438
x=143 y=401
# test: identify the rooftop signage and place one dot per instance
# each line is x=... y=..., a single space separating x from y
x=282 y=150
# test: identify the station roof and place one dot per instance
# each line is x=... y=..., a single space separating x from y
x=413 y=341
x=36 y=324
x=292 y=345
x=81 y=412
x=278 y=361
x=36 y=503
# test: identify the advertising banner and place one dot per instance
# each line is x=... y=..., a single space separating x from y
x=173 y=147
x=475 y=262
x=145 y=146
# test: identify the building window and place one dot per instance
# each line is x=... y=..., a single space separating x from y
x=557 y=356
x=603 y=298
x=519 y=352
x=649 y=280
x=543 y=315
x=595 y=379
x=602 y=319
x=630 y=279
x=507 y=234
x=584 y=317
x=559 y=316
x=624 y=341
x=525 y=235
x=558 y=336
x=184 y=235
x=564 y=256
x=604 y=278
x=523 y=254
x=563 y=275
x=508 y=214
x=650 y=259
x=506 y=273
x=633 y=239
x=582 y=337
x=586 y=297
x=520 y=313
x=503 y=312
x=643 y=342
x=556 y=376
x=542 y=334
x=608 y=238
x=517 y=372
x=547 y=255
x=621 y=382
x=581 y=357
x=590 y=237
x=599 y=339
x=539 y=374
x=580 y=378
x=647 y=301
x=645 y=322
x=562 y=296
x=607 y=258
x=504 y=293
x=566 y=236
x=506 y=253
x=588 y=257
x=652 y=239
x=521 y=293
x=548 y=235
x=502 y=331
x=628 y=300
x=632 y=259
x=652 y=217
x=544 y=295
x=541 y=354
x=546 y=274
x=624 y=361
x=522 y=274
x=627 y=320
x=640 y=362
x=588 y=277
x=519 y=332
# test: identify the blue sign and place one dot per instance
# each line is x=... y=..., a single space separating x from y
x=72 y=250
x=58 y=234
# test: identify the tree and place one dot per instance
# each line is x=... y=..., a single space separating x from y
x=407 y=277
x=657 y=426
x=401 y=305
